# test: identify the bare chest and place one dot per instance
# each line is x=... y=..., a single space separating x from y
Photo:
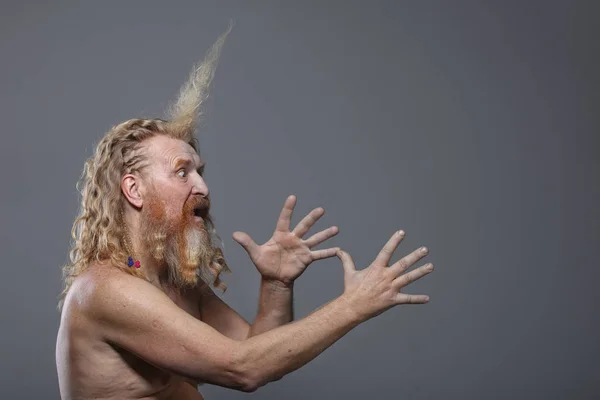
x=91 y=368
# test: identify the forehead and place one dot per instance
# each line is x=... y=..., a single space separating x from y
x=167 y=151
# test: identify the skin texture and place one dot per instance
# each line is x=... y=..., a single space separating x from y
x=122 y=337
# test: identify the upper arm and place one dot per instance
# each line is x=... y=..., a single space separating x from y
x=136 y=316
x=216 y=313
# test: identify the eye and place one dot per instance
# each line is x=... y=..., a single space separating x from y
x=181 y=173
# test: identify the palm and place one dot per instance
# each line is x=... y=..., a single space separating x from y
x=286 y=255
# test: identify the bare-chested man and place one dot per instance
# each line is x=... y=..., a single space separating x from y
x=139 y=319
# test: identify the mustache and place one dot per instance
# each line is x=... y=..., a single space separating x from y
x=199 y=204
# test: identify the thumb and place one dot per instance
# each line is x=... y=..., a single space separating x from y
x=246 y=242
x=347 y=262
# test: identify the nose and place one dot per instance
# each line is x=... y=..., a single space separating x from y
x=200 y=186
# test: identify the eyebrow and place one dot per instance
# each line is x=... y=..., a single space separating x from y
x=183 y=162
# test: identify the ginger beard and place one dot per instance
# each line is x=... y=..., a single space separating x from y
x=182 y=242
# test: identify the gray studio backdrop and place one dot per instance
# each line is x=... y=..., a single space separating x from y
x=471 y=125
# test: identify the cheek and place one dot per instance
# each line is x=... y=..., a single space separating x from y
x=173 y=195
x=176 y=206
x=166 y=206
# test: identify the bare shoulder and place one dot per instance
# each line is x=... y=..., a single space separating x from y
x=131 y=314
x=104 y=291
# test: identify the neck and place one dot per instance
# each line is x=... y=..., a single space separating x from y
x=154 y=271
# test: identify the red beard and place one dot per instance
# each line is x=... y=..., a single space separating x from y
x=183 y=243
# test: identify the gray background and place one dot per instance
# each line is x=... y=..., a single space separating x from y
x=471 y=125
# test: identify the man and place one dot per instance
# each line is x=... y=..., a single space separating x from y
x=138 y=316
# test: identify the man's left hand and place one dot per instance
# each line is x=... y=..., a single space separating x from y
x=286 y=255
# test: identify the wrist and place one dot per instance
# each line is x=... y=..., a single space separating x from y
x=351 y=309
x=277 y=285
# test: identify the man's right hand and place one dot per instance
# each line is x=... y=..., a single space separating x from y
x=372 y=290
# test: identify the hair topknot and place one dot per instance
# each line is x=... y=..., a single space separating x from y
x=98 y=230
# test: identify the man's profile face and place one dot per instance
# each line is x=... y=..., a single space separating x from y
x=175 y=173
x=175 y=209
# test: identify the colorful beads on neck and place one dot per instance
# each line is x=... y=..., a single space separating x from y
x=131 y=263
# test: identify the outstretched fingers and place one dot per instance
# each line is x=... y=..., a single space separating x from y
x=405 y=262
x=404 y=298
x=247 y=243
x=384 y=256
x=308 y=221
x=412 y=276
x=285 y=217
x=325 y=253
x=322 y=236
x=347 y=261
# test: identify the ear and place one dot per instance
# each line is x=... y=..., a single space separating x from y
x=131 y=188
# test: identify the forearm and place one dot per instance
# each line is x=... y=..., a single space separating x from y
x=273 y=354
x=275 y=307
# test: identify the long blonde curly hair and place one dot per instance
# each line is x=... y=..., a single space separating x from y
x=99 y=232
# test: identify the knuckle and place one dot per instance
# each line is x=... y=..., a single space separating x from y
x=402 y=264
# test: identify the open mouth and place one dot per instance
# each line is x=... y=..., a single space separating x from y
x=199 y=212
